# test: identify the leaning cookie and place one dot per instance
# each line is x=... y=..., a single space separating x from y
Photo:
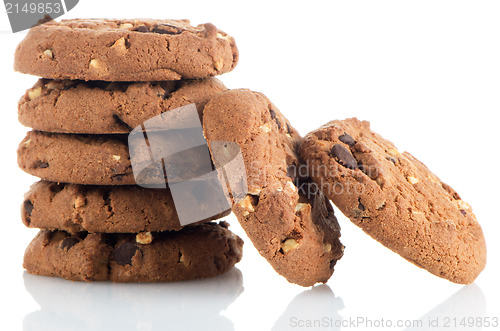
x=297 y=234
x=109 y=209
x=125 y=50
x=396 y=199
x=199 y=251
x=98 y=107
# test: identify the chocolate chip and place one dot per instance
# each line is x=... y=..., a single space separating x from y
x=391 y=159
x=451 y=191
x=41 y=164
x=166 y=29
x=347 y=139
x=463 y=212
x=360 y=206
x=273 y=113
x=141 y=28
x=288 y=129
x=344 y=157
x=273 y=116
x=124 y=253
x=56 y=188
x=28 y=206
x=69 y=242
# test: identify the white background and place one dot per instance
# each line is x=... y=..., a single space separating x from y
x=425 y=73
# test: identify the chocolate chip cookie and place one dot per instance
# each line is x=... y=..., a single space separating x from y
x=396 y=199
x=125 y=50
x=98 y=107
x=79 y=159
x=297 y=233
x=194 y=252
x=88 y=208
x=105 y=159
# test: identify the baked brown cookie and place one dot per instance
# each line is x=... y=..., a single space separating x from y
x=105 y=159
x=79 y=159
x=98 y=107
x=297 y=233
x=194 y=252
x=125 y=50
x=110 y=209
x=396 y=199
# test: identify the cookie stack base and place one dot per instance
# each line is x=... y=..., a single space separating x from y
x=199 y=251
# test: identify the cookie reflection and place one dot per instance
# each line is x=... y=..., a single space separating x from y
x=189 y=305
x=468 y=302
x=316 y=308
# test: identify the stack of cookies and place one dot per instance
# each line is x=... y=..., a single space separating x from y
x=104 y=80
x=101 y=79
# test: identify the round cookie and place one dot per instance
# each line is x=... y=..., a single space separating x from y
x=105 y=159
x=98 y=107
x=297 y=233
x=125 y=50
x=86 y=208
x=79 y=159
x=199 y=251
x=396 y=199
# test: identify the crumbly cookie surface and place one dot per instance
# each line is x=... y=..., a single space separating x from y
x=108 y=209
x=98 y=107
x=105 y=159
x=78 y=159
x=125 y=50
x=194 y=252
x=396 y=199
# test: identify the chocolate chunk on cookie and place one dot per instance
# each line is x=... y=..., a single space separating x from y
x=87 y=208
x=295 y=231
x=95 y=107
x=194 y=252
x=125 y=50
x=396 y=199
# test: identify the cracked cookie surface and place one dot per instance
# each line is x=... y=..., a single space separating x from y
x=297 y=233
x=98 y=107
x=395 y=199
x=197 y=251
x=88 y=208
x=125 y=50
